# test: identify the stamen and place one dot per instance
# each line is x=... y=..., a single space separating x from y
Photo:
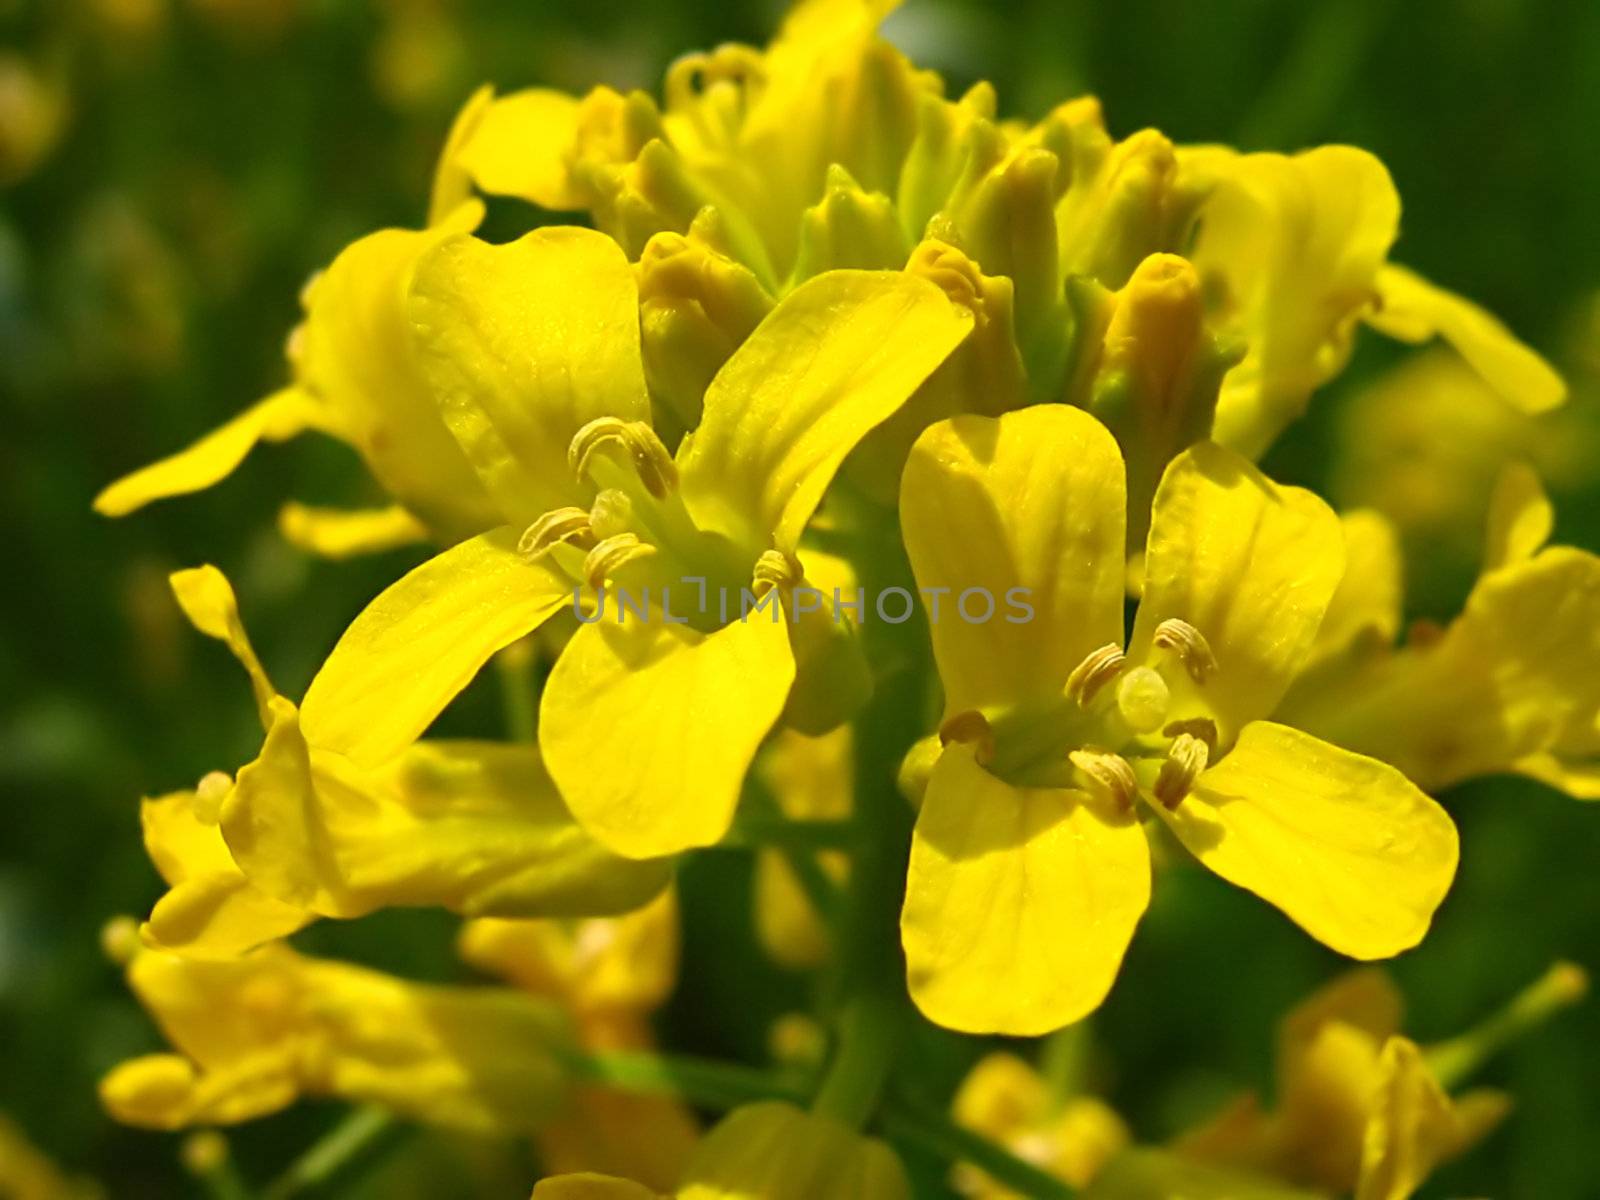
x=1189 y=645
x=570 y=524
x=1203 y=728
x=774 y=569
x=1109 y=772
x=970 y=728
x=638 y=440
x=1186 y=758
x=611 y=555
x=1097 y=669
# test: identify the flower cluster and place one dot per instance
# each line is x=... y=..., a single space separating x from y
x=825 y=331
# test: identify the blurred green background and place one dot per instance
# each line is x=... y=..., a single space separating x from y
x=172 y=170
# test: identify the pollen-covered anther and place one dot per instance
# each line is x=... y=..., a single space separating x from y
x=1098 y=668
x=970 y=728
x=1186 y=758
x=774 y=569
x=1189 y=644
x=1109 y=773
x=1203 y=728
x=611 y=555
x=649 y=455
x=570 y=524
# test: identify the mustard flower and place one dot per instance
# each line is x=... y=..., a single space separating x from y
x=1029 y=868
x=1511 y=685
x=647 y=725
x=303 y=832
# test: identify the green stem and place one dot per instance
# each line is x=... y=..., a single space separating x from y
x=871 y=997
x=760 y=829
x=951 y=1143
x=361 y=1136
x=1453 y=1061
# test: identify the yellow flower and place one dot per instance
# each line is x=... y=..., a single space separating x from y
x=253 y=1034
x=1029 y=868
x=1294 y=252
x=355 y=379
x=1360 y=1108
x=476 y=827
x=610 y=973
x=1512 y=685
x=1006 y=1100
x=767 y=1151
x=648 y=725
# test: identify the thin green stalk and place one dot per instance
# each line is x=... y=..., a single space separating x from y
x=358 y=1139
x=871 y=988
x=1564 y=984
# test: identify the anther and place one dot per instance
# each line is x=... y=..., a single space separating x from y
x=774 y=569
x=1097 y=669
x=611 y=555
x=970 y=728
x=570 y=524
x=1186 y=758
x=1203 y=728
x=1110 y=773
x=1189 y=645
x=638 y=440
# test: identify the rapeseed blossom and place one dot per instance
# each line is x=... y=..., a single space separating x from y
x=830 y=328
x=1056 y=742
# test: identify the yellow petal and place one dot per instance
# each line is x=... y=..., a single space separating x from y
x=1292 y=246
x=1029 y=508
x=648 y=729
x=452 y=182
x=1521 y=517
x=207 y=599
x=475 y=827
x=355 y=353
x=348 y=533
x=1019 y=902
x=522 y=345
x=1580 y=780
x=210 y=909
x=1414 y=310
x=521 y=147
x=1249 y=564
x=422 y=640
x=1511 y=685
x=1412 y=1128
x=167 y=1091
x=1366 y=606
x=278 y=418
x=1345 y=845
x=774 y=1151
x=1364 y=999
x=836 y=357
x=1325 y=1105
